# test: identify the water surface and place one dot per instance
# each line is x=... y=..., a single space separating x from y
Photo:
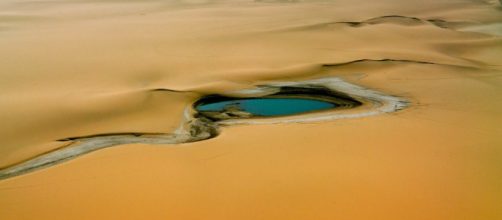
x=268 y=106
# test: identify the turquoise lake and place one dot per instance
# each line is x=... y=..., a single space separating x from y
x=269 y=106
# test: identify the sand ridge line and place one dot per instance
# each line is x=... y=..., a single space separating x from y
x=396 y=60
x=386 y=19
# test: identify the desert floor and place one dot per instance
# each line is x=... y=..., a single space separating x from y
x=73 y=68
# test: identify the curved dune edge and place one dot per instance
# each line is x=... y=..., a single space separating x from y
x=387 y=19
x=407 y=21
x=196 y=128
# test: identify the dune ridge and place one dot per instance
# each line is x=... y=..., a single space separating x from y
x=387 y=19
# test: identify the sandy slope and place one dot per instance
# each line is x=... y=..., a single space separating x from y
x=76 y=68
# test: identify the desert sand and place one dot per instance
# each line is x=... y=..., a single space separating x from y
x=77 y=68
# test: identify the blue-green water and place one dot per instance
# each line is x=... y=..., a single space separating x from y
x=269 y=106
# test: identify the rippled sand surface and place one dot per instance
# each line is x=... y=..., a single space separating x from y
x=74 y=68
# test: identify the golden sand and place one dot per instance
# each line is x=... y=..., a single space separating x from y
x=79 y=68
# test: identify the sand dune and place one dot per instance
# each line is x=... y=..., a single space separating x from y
x=78 y=71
